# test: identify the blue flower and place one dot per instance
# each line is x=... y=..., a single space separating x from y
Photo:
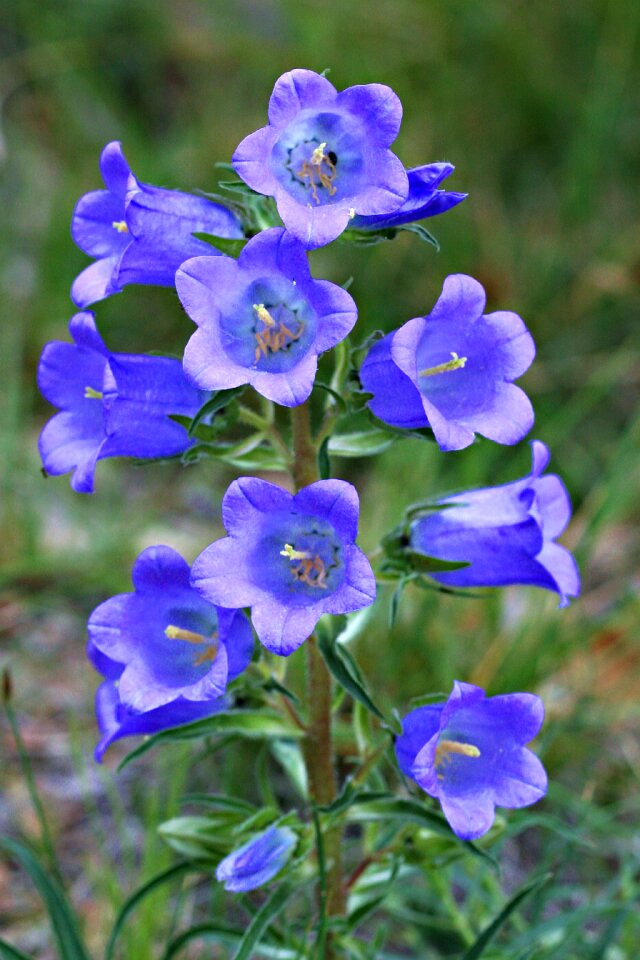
x=262 y=319
x=470 y=754
x=167 y=653
x=324 y=156
x=290 y=558
x=112 y=404
x=452 y=371
x=506 y=534
x=138 y=233
x=258 y=861
x=425 y=199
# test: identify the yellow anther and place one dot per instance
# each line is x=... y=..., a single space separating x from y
x=91 y=394
x=456 y=363
x=178 y=633
x=120 y=226
x=446 y=749
x=264 y=314
x=211 y=649
x=294 y=554
x=315 y=169
x=352 y=212
x=318 y=155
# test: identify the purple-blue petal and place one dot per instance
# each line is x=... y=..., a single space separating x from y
x=115 y=170
x=93 y=224
x=418 y=727
x=96 y=282
x=396 y=400
x=258 y=861
x=296 y=90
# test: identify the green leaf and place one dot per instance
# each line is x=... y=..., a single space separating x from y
x=421 y=563
x=232 y=248
x=324 y=461
x=406 y=810
x=11 y=953
x=220 y=801
x=62 y=917
x=366 y=443
x=477 y=949
x=229 y=936
x=220 y=399
x=201 y=837
x=419 y=231
x=259 y=924
x=253 y=724
x=177 y=870
x=289 y=756
x=345 y=670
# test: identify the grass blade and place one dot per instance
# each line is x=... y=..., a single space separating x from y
x=267 y=912
x=477 y=949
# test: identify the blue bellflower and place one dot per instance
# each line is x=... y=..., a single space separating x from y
x=258 y=861
x=470 y=754
x=138 y=233
x=262 y=319
x=167 y=653
x=452 y=371
x=425 y=199
x=290 y=558
x=324 y=156
x=506 y=534
x=112 y=404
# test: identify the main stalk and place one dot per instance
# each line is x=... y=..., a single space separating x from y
x=318 y=746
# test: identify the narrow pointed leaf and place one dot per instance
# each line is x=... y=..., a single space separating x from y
x=259 y=924
x=477 y=949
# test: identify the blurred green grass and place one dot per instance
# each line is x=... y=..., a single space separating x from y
x=536 y=104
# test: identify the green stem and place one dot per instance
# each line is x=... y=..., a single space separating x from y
x=318 y=746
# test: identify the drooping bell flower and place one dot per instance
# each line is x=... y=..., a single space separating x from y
x=262 y=319
x=138 y=233
x=470 y=753
x=452 y=370
x=112 y=404
x=324 y=156
x=258 y=861
x=505 y=534
x=167 y=654
x=291 y=558
x=425 y=199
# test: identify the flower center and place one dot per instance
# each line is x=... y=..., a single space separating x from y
x=306 y=567
x=319 y=170
x=447 y=749
x=178 y=633
x=120 y=226
x=275 y=335
x=91 y=394
x=456 y=363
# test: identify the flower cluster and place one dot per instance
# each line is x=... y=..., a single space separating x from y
x=169 y=650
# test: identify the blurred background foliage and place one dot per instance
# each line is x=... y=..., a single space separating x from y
x=536 y=104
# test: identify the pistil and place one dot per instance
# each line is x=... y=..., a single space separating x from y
x=456 y=363
x=275 y=336
x=178 y=633
x=447 y=749
x=308 y=568
x=319 y=170
x=120 y=226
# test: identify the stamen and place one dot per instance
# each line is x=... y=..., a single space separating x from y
x=313 y=168
x=91 y=394
x=178 y=633
x=447 y=748
x=456 y=363
x=308 y=568
x=275 y=336
x=120 y=226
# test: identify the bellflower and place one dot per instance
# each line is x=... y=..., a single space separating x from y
x=470 y=754
x=112 y=404
x=425 y=199
x=290 y=558
x=262 y=319
x=324 y=156
x=452 y=370
x=138 y=233
x=258 y=861
x=506 y=534
x=167 y=653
